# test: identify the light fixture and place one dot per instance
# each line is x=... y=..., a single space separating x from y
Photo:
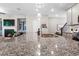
x=2 y=11
x=52 y=9
x=39 y=14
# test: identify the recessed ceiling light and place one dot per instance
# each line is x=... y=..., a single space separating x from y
x=52 y=9
x=39 y=14
x=2 y=10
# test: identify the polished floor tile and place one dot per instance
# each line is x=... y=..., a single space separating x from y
x=30 y=44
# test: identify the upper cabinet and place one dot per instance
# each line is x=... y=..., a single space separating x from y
x=73 y=15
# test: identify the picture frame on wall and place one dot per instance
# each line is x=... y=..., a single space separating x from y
x=44 y=26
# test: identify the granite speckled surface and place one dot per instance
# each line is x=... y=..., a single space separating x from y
x=32 y=45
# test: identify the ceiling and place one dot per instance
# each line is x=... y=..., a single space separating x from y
x=29 y=9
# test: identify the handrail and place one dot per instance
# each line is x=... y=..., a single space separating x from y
x=63 y=28
x=64 y=25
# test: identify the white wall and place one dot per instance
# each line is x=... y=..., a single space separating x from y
x=54 y=21
x=33 y=23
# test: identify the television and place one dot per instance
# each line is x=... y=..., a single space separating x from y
x=9 y=22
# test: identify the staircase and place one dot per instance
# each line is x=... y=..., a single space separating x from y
x=63 y=28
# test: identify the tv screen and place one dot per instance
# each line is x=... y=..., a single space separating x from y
x=9 y=22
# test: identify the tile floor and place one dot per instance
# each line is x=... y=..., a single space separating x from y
x=32 y=45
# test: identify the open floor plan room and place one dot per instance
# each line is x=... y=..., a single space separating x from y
x=45 y=29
